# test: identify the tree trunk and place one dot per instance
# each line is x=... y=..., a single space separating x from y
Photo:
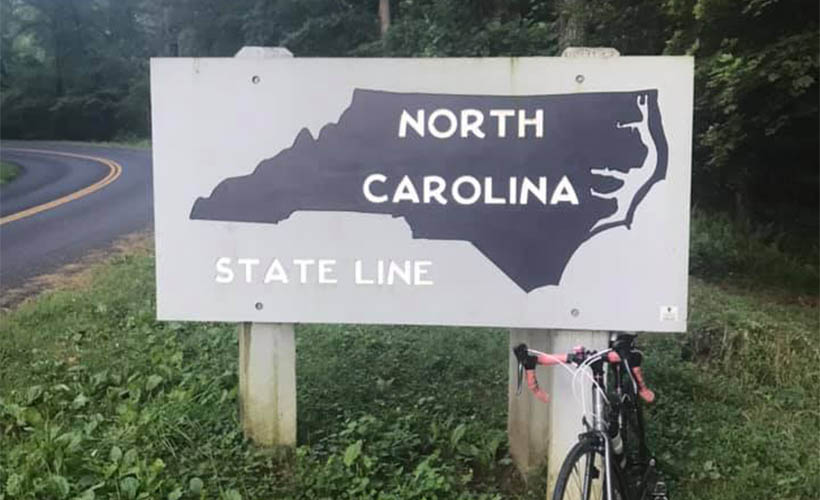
x=384 y=15
x=59 y=85
x=169 y=32
x=572 y=25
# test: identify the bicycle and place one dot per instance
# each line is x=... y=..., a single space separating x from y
x=614 y=440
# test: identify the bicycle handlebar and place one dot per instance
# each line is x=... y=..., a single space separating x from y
x=529 y=358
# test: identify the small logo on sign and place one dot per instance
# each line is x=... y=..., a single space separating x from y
x=669 y=313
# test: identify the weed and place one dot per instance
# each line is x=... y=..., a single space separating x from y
x=8 y=172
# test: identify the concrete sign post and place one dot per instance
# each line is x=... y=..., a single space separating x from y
x=509 y=192
x=539 y=432
x=267 y=383
x=267 y=357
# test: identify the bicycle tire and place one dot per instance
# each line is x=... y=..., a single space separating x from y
x=569 y=484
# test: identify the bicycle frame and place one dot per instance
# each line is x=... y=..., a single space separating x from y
x=604 y=420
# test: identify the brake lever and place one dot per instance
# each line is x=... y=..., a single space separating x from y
x=527 y=360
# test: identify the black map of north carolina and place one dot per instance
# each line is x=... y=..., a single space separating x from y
x=610 y=145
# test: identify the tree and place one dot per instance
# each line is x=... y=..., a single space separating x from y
x=79 y=68
x=756 y=119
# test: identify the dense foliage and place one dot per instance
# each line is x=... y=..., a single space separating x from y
x=77 y=69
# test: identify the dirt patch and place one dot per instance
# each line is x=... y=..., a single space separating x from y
x=77 y=274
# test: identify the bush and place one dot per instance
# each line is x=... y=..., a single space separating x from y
x=720 y=250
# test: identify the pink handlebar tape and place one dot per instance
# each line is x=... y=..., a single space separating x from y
x=532 y=383
x=551 y=359
x=643 y=391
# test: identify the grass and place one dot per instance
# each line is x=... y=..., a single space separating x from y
x=132 y=142
x=739 y=413
x=97 y=399
x=127 y=142
x=124 y=141
x=8 y=172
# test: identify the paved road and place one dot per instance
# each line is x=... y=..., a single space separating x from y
x=43 y=241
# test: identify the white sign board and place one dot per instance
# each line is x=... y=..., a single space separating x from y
x=528 y=192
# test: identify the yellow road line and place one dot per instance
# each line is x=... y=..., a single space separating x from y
x=114 y=171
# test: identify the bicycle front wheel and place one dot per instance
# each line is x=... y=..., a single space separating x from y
x=582 y=476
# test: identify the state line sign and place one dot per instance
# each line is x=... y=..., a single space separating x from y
x=523 y=192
